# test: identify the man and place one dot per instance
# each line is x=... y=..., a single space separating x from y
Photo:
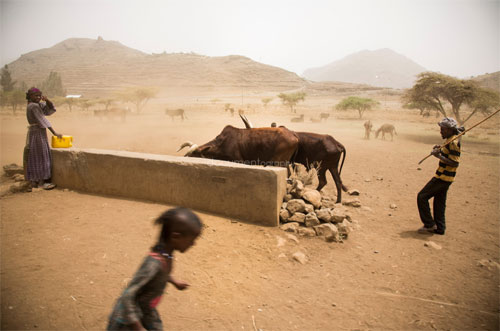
x=437 y=187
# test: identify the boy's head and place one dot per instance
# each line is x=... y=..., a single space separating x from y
x=180 y=228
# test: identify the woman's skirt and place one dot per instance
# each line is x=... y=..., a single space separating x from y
x=37 y=155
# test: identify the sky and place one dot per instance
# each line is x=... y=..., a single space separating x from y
x=460 y=38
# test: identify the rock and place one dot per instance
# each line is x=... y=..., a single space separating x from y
x=312 y=196
x=309 y=209
x=393 y=206
x=353 y=192
x=287 y=197
x=293 y=238
x=288 y=188
x=20 y=187
x=12 y=169
x=328 y=203
x=281 y=241
x=344 y=227
x=366 y=208
x=368 y=180
x=353 y=203
x=338 y=215
x=283 y=205
x=489 y=264
x=380 y=178
x=296 y=205
x=290 y=227
x=432 y=245
x=297 y=189
x=306 y=232
x=299 y=257
x=328 y=231
x=284 y=215
x=311 y=220
x=297 y=217
x=18 y=178
x=324 y=215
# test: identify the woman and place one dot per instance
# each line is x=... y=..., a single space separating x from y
x=37 y=157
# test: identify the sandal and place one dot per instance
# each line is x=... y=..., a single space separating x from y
x=48 y=186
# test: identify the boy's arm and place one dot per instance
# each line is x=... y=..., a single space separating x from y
x=437 y=153
x=180 y=285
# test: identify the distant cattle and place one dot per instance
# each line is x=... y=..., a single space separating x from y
x=386 y=128
x=315 y=120
x=111 y=114
x=175 y=112
x=298 y=119
x=368 y=128
x=324 y=116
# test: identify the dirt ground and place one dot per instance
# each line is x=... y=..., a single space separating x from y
x=66 y=256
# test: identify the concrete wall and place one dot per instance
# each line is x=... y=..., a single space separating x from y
x=247 y=193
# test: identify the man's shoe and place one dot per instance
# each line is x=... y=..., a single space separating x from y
x=437 y=231
x=426 y=230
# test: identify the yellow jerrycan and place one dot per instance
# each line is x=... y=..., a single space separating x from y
x=64 y=142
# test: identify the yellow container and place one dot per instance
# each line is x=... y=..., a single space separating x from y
x=64 y=142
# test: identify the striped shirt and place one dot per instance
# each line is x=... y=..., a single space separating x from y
x=451 y=151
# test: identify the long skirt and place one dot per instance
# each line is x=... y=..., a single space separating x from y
x=37 y=155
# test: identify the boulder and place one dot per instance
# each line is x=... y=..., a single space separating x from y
x=284 y=215
x=290 y=227
x=324 y=215
x=296 y=205
x=311 y=220
x=306 y=232
x=12 y=169
x=338 y=215
x=328 y=231
x=297 y=217
x=312 y=196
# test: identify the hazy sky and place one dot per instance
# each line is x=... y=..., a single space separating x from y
x=456 y=37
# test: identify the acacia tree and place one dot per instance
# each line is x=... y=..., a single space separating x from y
x=357 y=103
x=139 y=96
x=13 y=99
x=106 y=102
x=53 y=85
x=291 y=99
x=435 y=91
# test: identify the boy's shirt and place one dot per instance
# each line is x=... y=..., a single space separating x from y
x=451 y=151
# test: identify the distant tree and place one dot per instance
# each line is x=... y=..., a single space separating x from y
x=85 y=104
x=139 y=96
x=53 y=85
x=106 y=102
x=357 y=103
x=13 y=99
x=6 y=80
x=266 y=101
x=70 y=102
x=291 y=100
x=435 y=91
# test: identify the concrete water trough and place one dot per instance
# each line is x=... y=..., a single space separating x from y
x=248 y=193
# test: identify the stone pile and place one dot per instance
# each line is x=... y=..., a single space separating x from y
x=16 y=173
x=309 y=213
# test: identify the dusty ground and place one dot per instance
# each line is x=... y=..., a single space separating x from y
x=66 y=256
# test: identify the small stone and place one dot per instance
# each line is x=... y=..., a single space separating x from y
x=368 y=180
x=299 y=257
x=284 y=215
x=297 y=217
x=311 y=220
x=393 y=206
x=353 y=202
x=18 y=178
x=328 y=231
x=12 y=169
x=353 y=192
x=296 y=205
x=287 y=197
x=290 y=227
x=324 y=215
x=293 y=238
x=306 y=232
x=432 y=245
x=380 y=178
x=309 y=209
x=338 y=215
x=281 y=241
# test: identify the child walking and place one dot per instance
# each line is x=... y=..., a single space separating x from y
x=136 y=307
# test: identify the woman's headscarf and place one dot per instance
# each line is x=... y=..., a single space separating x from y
x=32 y=91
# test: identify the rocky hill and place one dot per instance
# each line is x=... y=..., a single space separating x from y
x=383 y=68
x=98 y=67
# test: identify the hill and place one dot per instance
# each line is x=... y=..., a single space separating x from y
x=382 y=68
x=491 y=81
x=97 y=67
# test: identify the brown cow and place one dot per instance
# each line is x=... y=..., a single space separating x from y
x=319 y=148
x=262 y=146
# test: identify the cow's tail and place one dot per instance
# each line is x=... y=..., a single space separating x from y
x=344 y=152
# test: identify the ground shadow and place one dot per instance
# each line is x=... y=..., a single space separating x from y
x=413 y=234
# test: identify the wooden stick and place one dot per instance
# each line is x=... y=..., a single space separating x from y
x=461 y=134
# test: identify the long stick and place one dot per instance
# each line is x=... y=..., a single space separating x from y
x=461 y=134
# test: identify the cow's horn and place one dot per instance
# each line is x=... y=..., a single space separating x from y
x=245 y=120
x=187 y=143
x=193 y=147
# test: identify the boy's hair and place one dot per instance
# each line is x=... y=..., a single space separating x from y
x=181 y=220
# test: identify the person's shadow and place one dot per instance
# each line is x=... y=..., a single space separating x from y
x=413 y=234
